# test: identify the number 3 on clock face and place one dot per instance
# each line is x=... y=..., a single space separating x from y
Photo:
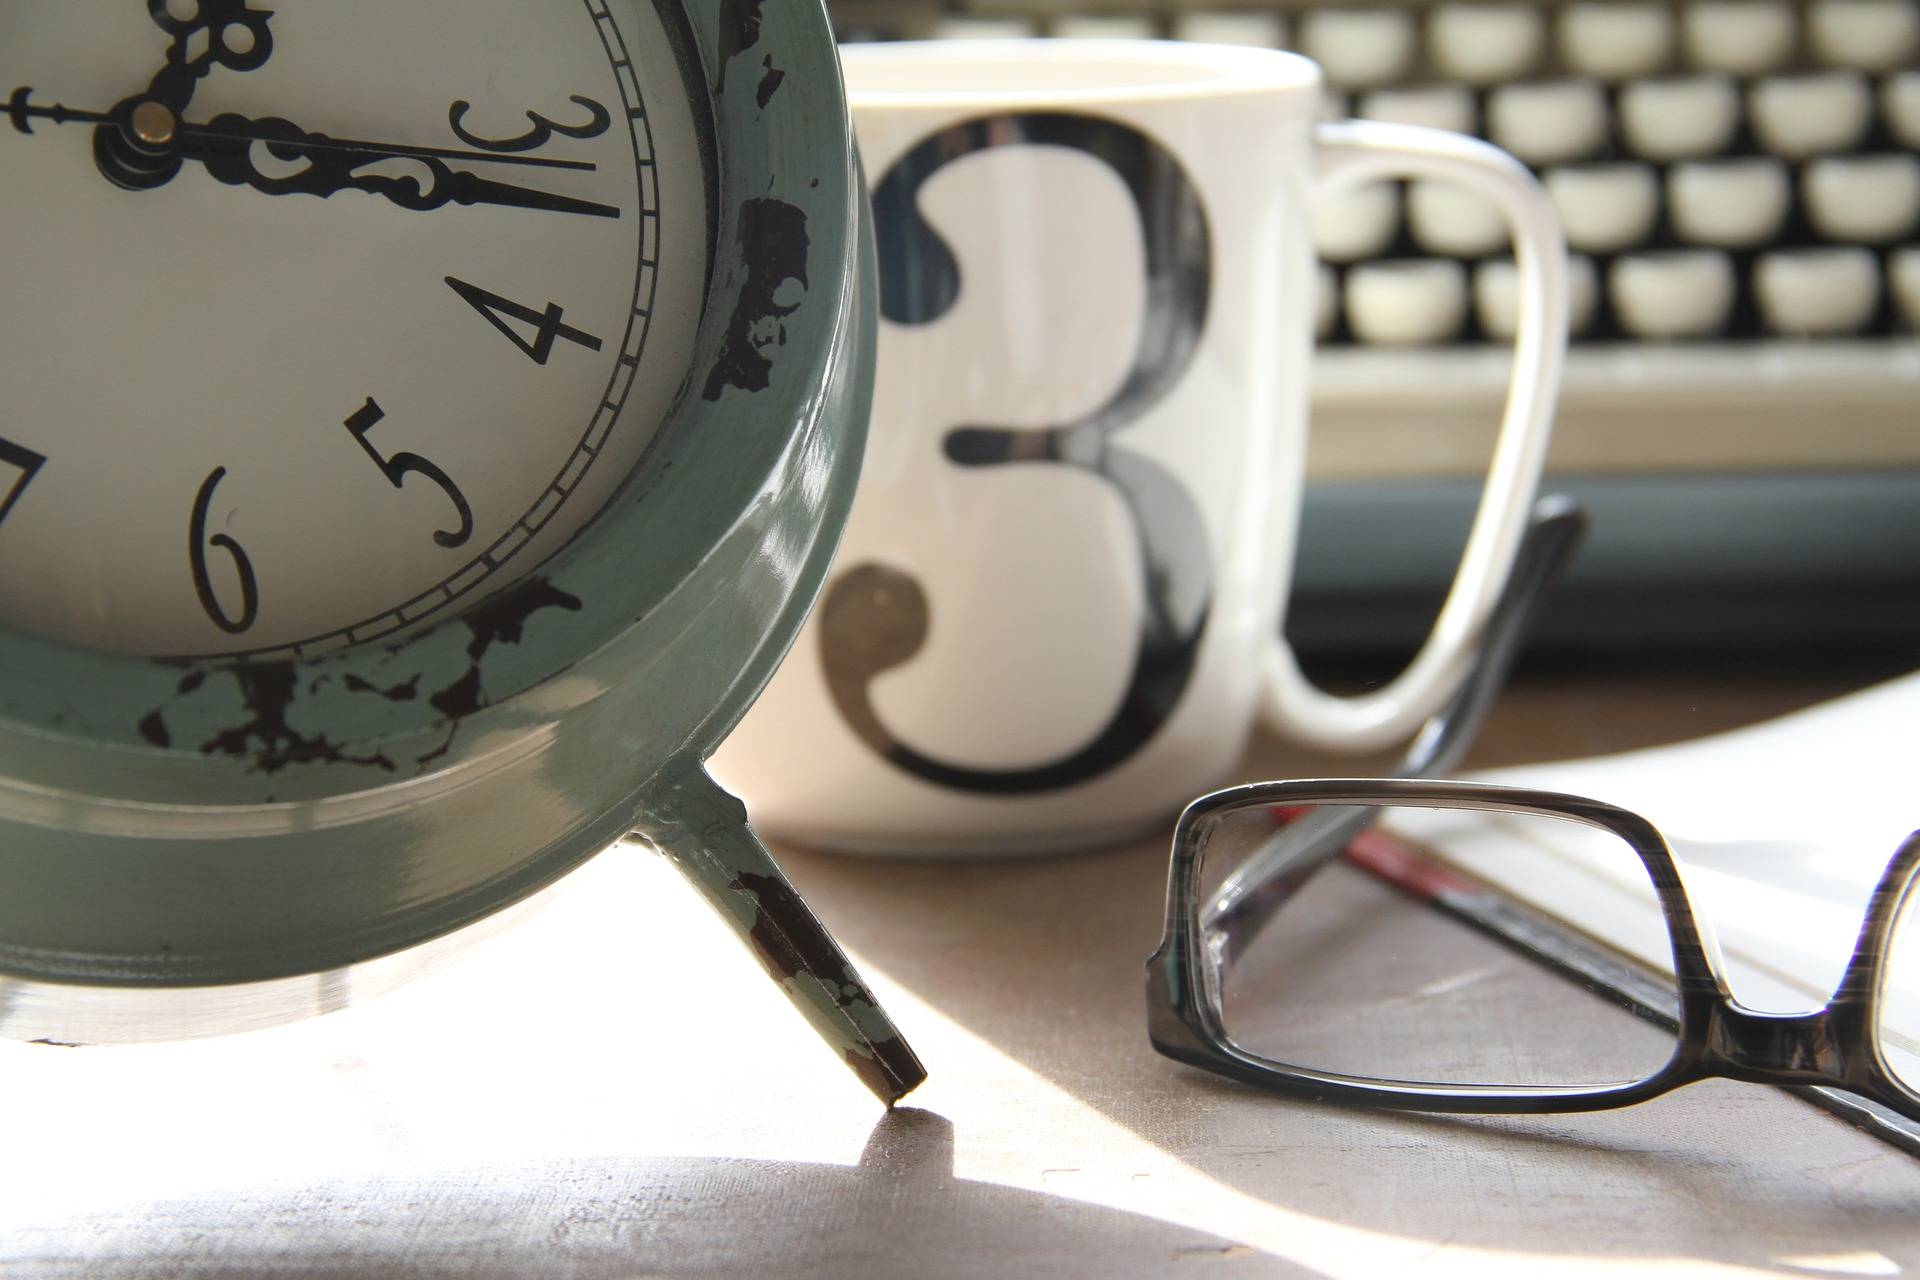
x=326 y=320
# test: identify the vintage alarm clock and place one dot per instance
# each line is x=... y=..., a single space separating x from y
x=423 y=426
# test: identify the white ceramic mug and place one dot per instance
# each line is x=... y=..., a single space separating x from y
x=1057 y=608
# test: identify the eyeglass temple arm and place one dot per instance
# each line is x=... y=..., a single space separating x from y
x=1249 y=897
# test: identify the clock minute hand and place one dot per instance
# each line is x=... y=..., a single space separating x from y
x=225 y=146
x=158 y=127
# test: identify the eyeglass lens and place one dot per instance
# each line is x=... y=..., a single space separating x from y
x=1899 y=1028
x=1356 y=973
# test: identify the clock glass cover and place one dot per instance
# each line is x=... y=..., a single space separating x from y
x=328 y=319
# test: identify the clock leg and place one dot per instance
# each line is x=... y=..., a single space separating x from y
x=704 y=831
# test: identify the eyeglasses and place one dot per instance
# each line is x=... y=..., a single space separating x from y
x=1288 y=966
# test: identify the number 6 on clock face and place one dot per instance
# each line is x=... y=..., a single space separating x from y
x=492 y=281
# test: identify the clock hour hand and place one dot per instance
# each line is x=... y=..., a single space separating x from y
x=231 y=147
x=218 y=33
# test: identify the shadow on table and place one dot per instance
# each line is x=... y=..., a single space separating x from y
x=900 y=1212
x=1043 y=959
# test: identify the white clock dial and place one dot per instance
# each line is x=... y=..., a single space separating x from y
x=325 y=318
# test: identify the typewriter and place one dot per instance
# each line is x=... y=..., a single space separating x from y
x=1740 y=186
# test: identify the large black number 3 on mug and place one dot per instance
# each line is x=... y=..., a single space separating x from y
x=875 y=618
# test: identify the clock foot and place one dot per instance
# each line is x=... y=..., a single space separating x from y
x=704 y=831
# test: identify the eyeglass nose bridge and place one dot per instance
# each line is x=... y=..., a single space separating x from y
x=1835 y=1045
x=1776 y=1048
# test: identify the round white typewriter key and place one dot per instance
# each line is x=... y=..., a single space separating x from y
x=1682 y=293
x=1326 y=301
x=1407 y=303
x=1616 y=40
x=1903 y=267
x=1451 y=220
x=1872 y=35
x=1486 y=43
x=1440 y=106
x=1104 y=26
x=1550 y=122
x=1800 y=116
x=1730 y=204
x=1900 y=104
x=1817 y=292
x=1741 y=37
x=1357 y=222
x=1232 y=26
x=1496 y=295
x=1680 y=119
x=1358 y=46
x=1605 y=208
x=1864 y=199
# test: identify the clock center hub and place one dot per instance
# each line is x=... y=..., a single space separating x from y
x=154 y=124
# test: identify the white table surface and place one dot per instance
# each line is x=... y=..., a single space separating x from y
x=614 y=1089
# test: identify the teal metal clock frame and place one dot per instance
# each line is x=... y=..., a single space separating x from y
x=191 y=847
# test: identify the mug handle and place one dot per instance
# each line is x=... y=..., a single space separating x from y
x=1356 y=151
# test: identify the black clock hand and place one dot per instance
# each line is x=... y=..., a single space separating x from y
x=225 y=33
x=225 y=145
x=21 y=111
x=289 y=142
x=128 y=144
x=230 y=34
x=152 y=124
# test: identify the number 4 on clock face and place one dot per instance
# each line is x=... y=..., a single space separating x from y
x=547 y=325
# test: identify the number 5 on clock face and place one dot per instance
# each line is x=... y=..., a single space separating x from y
x=329 y=335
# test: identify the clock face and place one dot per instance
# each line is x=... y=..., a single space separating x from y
x=323 y=319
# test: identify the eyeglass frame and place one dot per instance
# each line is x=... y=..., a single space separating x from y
x=1715 y=1035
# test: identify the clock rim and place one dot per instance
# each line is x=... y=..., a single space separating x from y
x=42 y=675
x=549 y=673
